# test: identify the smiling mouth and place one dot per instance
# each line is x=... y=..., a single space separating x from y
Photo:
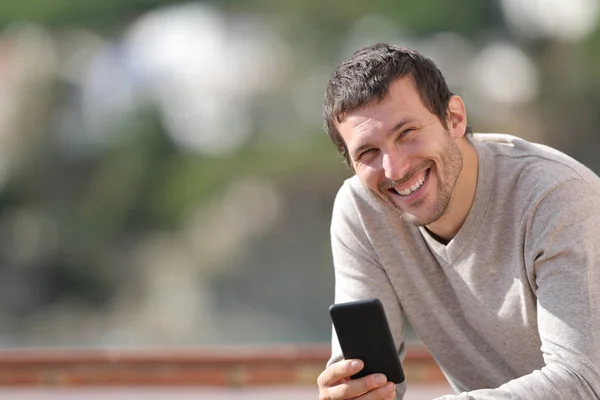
x=416 y=186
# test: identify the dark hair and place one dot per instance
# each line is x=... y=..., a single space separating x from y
x=367 y=75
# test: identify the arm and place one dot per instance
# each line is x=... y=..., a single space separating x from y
x=358 y=273
x=563 y=247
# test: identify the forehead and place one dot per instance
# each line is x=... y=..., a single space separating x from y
x=402 y=102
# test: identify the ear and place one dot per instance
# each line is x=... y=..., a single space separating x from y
x=457 y=117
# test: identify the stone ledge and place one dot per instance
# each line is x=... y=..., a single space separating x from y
x=214 y=366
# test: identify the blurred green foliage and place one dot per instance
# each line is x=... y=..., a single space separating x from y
x=108 y=199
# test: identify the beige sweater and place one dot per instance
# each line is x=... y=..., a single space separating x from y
x=510 y=307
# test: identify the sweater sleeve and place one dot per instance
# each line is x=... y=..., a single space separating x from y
x=563 y=249
x=358 y=272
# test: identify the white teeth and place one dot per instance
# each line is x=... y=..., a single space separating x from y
x=413 y=188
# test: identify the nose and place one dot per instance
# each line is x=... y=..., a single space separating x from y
x=395 y=165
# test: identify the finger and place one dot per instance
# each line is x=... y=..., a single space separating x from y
x=358 y=387
x=339 y=371
x=385 y=392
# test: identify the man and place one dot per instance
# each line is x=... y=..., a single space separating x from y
x=488 y=244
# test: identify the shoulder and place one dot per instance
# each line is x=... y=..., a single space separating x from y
x=531 y=169
x=353 y=199
x=353 y=210
x=357 y=214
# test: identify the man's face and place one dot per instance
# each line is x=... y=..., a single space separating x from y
x=403 y=154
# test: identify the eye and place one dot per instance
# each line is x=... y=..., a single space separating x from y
x=366 y=153
x=405 y=132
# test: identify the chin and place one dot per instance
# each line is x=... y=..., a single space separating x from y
x=408 y=217
x=411 y=219
x=432 y=214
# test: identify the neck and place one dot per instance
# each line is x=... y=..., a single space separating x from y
x=463 y=195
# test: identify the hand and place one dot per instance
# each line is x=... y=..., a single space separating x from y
x=335 y=383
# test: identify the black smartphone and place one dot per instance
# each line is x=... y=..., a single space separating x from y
x=363 y=332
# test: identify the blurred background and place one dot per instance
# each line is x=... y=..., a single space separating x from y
x=164 y=176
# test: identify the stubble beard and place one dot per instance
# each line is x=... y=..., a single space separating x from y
x=452 y=163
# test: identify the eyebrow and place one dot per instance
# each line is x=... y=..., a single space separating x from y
x=396 y=128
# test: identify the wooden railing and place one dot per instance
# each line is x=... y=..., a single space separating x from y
x=215 y=366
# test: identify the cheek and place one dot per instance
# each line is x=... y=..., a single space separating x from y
x=368 y=176
x=428 y=149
